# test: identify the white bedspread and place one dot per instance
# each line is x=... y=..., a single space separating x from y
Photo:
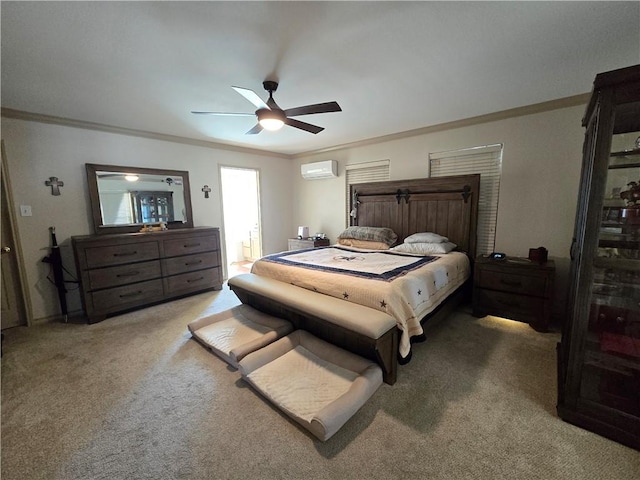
x=404 y=286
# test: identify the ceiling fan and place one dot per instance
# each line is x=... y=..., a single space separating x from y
x=272 y=117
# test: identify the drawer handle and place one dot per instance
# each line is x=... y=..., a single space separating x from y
x=128 y=274
x=511 y=283
x=125 y=254
x=188 y=264
x=190 y=245
x=134 y=294
x=195 y=279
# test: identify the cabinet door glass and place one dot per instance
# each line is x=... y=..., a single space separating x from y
x=611 y=374
x=153 y=207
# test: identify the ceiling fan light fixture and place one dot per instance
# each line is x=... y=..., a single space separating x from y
x=271 y=119
x=271 y=124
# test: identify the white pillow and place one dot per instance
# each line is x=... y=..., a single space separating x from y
x=424 y=248
x=425 y=237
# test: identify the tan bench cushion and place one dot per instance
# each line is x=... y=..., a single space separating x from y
x=317 y=384
x=234 y=333
x=358 y=318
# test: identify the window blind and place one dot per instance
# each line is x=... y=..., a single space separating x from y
x=117 y=208
x=487 y=161
x=377 y=171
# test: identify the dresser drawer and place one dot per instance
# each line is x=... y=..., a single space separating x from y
x=188 y=263
x=517 y=307
x=193 y=281
x=185 y=246
x=123 y=274
x=119 y=254
x=535 y=285
x=119 y=298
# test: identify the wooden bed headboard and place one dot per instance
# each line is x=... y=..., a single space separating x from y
x=444 y=205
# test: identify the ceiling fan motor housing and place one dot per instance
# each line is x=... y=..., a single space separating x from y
x=275 y=114
x=270 y=86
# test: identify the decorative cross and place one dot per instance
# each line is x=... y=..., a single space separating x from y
x=206 y=189
x=54 y=184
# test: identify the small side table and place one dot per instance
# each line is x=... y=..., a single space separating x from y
x=301 y=244
x=514 y=288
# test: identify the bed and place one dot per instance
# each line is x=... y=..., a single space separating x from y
x=445 y=205
x=406 y=286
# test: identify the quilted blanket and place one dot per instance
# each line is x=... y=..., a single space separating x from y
x=406 y=287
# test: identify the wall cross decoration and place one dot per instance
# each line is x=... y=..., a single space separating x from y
x=206 y=189
x=55 y=185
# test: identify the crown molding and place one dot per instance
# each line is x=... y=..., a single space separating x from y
x=68 y=122
x=566 y=102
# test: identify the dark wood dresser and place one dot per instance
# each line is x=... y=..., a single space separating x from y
x=514 y=288
x=133 y=270
x=302 y=243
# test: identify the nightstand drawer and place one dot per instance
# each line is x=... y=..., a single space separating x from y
x=517 y=307
x=517 y=283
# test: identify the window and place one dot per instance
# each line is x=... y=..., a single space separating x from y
x=116 y=207
x=377 y=171
x=487 y=161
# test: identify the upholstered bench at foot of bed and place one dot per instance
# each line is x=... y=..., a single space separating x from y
x=236 y=332
x=362 y=330
x=317 y=384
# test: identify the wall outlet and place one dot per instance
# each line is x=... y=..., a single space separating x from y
x=25 y=210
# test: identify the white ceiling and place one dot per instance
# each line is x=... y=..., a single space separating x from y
x=392 y=66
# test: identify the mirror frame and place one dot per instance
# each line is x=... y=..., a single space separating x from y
x=94 y=197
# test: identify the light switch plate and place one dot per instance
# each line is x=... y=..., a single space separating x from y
x=25 y=210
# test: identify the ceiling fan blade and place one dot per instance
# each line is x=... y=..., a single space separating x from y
x=316 y=108
x=254 y=130
x=303 y=126
x=251 y=96
x=228 y=114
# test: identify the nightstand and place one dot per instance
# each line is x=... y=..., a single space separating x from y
x=302 y=243
x=514 y=288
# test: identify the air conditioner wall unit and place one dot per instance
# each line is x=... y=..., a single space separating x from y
x=317 y=170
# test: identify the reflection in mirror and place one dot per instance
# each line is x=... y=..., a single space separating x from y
x=125 y=198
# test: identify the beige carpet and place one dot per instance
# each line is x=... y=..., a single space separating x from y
x=134 y=397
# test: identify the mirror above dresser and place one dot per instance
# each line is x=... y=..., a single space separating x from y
x=124 y=199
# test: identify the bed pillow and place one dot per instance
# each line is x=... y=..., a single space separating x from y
x=368 y=244
x=425 y=237
x=425 y=248
x=374 y=234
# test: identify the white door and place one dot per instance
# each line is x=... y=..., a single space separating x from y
x=12 y=311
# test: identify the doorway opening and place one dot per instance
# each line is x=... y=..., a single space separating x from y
x=241 y=218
